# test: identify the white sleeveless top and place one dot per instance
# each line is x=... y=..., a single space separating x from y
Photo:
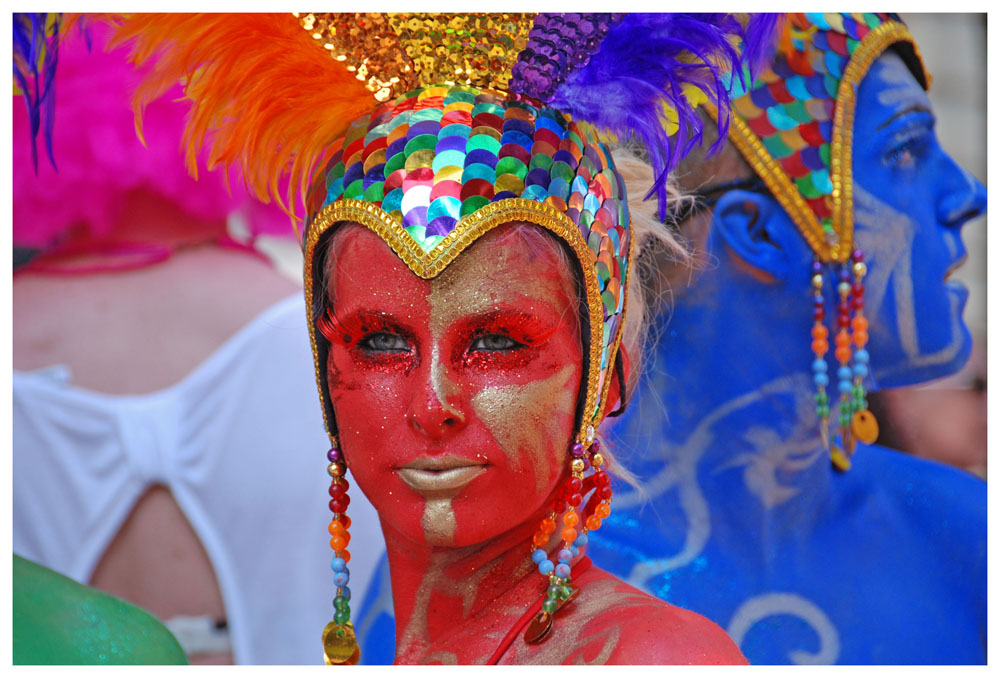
x=239 y=442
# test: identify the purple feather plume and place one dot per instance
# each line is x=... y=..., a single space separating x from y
x=36 y=55
x=645 y=60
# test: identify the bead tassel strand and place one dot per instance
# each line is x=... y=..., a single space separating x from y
x=820 y=346
x=339 y=642
x=573 y=535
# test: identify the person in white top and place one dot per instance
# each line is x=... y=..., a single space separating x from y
x=165 y=425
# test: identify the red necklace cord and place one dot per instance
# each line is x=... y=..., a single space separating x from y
x=516 y=630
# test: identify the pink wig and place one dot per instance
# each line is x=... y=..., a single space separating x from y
x=100 y=158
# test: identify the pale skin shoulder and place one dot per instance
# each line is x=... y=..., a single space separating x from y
x=612 y=622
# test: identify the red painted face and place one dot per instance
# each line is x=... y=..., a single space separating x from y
x=454 y=397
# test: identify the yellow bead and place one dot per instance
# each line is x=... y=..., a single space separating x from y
x=860 y=269
x=597 y=460
x=577 y=466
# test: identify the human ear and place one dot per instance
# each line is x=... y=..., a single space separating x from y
x=756 y=228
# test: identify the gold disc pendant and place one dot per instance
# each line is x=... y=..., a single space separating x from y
x=839 y=460
x=864 y=426
x=340 y=646
x=539 y=628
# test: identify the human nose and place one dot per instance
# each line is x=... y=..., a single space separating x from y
x=966 y=201
x=435 y=409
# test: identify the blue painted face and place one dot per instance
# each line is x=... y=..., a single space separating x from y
x=911 y=200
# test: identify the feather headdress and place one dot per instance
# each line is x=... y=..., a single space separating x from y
x=36 y=54
x=267 y=97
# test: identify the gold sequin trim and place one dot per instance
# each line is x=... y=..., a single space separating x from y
x=774 y=177
x=470 y=228
x=841 y=175
x=871 y=48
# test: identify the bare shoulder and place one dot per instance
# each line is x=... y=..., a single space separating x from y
x=617 y=623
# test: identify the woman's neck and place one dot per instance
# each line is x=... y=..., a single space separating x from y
x=456 y=604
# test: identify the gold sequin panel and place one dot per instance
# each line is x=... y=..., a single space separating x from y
x=395 y=53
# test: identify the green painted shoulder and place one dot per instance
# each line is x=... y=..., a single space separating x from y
x=60 y=621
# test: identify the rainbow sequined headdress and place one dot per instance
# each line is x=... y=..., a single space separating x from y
x=794 y=125
x=432 y=129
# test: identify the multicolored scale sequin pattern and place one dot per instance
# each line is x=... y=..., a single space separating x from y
x=439 y=153
x=790 y=107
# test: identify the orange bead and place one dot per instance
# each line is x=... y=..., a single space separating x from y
x=346 y=521
x=548 y=526
x=593 y=523
x=602 y=510
x=569 y=534
x=860 y=323
x=540 y=539
x=820 y=332
x=860 y=338
x=346 y=555
x=843 y=353
x=571 y=519
x=338 y=542
x=842 y=339
x=336 y=527
x=820 y=347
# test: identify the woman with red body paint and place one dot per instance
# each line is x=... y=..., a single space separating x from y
x=455 y=399
x=469 y=256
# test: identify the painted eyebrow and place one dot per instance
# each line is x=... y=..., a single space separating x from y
x=912 y=108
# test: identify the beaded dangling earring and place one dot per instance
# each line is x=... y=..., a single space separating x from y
x=576 y=524
x=855 y=421
x=820 y=345
x=340 y=646
x=864 y=426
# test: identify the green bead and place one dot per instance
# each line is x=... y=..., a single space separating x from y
x=858 y=391
x=823 y=411
x=566 y=592
x=341 y=618
x=822 y=398
x=340 y=602
x=554 y=591
x=550 y=605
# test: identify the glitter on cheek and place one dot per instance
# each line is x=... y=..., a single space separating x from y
x=532 y=423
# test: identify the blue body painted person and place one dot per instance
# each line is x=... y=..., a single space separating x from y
x=748 y=523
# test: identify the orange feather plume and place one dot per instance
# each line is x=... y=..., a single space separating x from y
x=266 y=96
